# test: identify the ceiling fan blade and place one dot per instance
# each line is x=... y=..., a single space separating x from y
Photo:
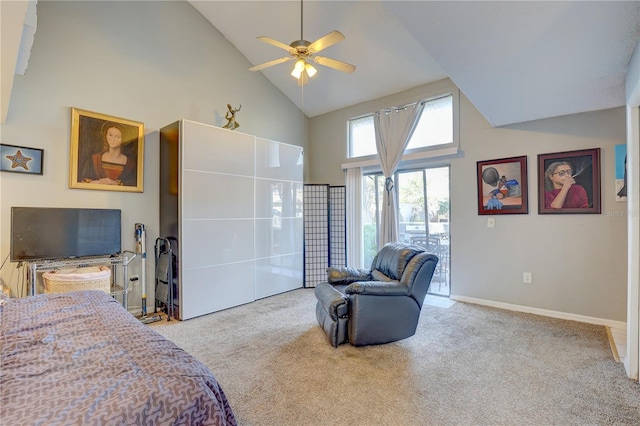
x=279 y=44
x=271 y=63
x=332 y=63
x=323 y=42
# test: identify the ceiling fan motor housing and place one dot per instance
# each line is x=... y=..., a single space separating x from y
x=300 y=45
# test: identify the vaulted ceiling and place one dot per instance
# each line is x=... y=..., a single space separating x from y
x=516 y=61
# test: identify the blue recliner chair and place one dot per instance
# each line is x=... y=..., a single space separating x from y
x=377 y=305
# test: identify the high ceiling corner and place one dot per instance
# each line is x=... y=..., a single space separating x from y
x=515 y=61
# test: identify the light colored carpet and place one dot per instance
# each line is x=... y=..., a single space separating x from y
x=466 y=365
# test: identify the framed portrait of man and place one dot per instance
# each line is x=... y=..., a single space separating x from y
x=569 y=182
x=107 y=152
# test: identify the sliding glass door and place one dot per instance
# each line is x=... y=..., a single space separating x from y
x=423 y=216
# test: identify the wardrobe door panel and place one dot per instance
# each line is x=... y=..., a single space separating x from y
x=216 y=242
x=275 y=238
x=279 y=198
x=267 y=198
x=298 y=234
x=278 y=274
x=267 y=237
x=215 y=288
x=216 y=196
x=210 y=148
x=277 y=160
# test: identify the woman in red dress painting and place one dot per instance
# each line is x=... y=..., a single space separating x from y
x=111 y=166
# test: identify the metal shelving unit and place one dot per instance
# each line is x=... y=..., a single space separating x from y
x=117 y=289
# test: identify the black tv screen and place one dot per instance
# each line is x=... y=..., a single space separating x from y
x=58 y=233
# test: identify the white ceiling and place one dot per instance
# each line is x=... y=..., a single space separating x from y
x=516 y=61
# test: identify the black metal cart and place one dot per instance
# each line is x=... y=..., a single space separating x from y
x=165 y=276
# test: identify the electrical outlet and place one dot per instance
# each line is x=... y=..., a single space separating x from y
x=526 y=277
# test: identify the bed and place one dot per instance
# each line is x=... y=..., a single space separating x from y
x=81 y=358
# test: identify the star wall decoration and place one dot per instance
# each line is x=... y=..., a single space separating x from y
x=19 y=160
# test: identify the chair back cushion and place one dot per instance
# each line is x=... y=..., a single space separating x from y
x=418 y=274
x=392 y=259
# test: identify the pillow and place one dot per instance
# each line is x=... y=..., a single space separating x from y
x=345 y=275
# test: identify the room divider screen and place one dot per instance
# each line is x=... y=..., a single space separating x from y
x=325 y=242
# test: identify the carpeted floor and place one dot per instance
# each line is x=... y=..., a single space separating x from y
x=466 y=365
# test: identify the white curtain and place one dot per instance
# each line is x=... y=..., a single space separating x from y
x=354 y=217
x=393 y=129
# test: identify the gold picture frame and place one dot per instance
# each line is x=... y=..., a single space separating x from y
x=107 y=153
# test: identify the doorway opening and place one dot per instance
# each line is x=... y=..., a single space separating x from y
x=423 y=216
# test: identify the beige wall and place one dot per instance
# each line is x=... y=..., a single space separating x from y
x=157 y=62
x=632 y=362
x=154 y=62
x=578 y=262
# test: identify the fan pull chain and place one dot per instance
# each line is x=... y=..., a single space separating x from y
x=302 y=109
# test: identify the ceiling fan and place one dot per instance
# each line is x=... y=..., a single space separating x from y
x=304 y=52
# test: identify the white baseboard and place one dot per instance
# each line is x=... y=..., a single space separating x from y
x=543 y=312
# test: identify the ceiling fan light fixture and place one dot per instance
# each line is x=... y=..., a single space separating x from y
x=310 y=69
x=303 y=52
x=298 y=68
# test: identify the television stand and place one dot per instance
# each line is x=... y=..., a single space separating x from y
x=117 y=290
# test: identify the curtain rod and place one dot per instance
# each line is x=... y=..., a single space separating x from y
x=405 y=106
x=402 y=107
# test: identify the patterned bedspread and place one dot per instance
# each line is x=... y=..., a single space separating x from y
x=80 y=358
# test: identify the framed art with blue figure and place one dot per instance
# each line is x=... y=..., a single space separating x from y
x=107 y=152
x=569 y=182
x=502 y=186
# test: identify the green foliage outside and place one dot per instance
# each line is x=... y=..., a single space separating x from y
x=443 y=208
x=370 y=245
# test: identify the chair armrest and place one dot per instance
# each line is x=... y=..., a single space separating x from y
x=346 y=275
x=378 y=288
x=332 y=300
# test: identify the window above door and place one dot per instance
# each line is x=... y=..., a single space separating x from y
x=436 y=129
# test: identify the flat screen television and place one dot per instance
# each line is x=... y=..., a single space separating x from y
x=39 y=233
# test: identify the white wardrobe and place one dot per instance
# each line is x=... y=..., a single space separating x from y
x=233 y=203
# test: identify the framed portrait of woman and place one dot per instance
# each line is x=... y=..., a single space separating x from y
x=569 y=182
x=107 y=153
